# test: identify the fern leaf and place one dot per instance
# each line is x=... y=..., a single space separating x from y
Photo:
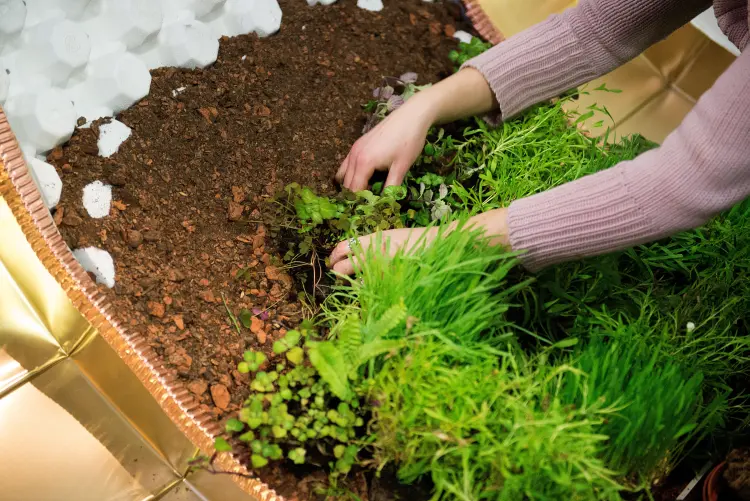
x=350 y=337
x=391 y=319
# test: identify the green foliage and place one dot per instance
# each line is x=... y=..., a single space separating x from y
x=658 y=403
x=591 y=377
x=492 y=429
x=455 y=284
x=466 y=51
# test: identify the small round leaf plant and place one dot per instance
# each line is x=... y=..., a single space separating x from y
x=389 y=96
x=293 y=412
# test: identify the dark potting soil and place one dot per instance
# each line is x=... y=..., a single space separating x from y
x=185 y=184
x=737 y=473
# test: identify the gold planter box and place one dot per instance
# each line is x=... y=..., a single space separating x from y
x=87 y=414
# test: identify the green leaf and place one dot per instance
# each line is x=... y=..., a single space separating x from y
x=245 y=317
x=396 y=192
x=584 y=117
x=258 y=461
x=375 y=349
x=279 y=347
x=331 y=366
x=243 y=367
x=221 y=445
x=566 y=343
x=685 y=430
x=296 y=355
x=234 y=425
x=297 y=456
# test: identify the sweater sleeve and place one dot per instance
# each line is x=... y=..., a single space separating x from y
x=577 y=46
x=701 y=169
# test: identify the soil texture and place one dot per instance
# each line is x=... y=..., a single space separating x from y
x=207 y=146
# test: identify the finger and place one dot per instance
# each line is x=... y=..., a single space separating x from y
x=345 y=267
x=360 y=179
x=396 y=174
x=342 y=169
x=341 y=251
x=350 y=170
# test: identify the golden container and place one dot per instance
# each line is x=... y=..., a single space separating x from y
x=86 y=411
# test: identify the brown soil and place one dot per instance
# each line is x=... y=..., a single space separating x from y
x=268 y=112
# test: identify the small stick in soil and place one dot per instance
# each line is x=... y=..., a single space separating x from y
x=208 y=466
x=231 y=315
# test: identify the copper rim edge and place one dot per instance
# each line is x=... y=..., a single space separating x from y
x=482 y=22
x=26 y=204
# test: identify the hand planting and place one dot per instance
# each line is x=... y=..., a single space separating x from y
x=451 y=363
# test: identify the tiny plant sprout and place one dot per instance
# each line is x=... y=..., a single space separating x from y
x=286 y=343
x=258 y=461
x=386 y=92
x=297 y=455
x=234 y=425
x=221 y=445
x=295 y=355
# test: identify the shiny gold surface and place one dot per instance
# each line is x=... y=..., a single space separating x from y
x=85 y=407
x=86 y=411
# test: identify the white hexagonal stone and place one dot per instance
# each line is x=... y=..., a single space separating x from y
x=47 y=180
x=4 y=84
x=55 y=49
x=238 y=17
x=372 y=5
x=97 y=199
x=98 y=262
x=111 y=136
x=188 y=45
x=113 y=83
x=43 y=120
x=127 y=21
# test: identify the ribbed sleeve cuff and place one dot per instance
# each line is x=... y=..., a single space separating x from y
x=537 y=64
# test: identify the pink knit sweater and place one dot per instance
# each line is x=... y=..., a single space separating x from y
x=701 y=169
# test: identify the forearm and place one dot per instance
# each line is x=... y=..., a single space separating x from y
x=462 y=95
x=577 y=46
x=701 y=169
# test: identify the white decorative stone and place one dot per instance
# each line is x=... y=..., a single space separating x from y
x=175 y=10
x=111 y=136
x=190 y=44
x=126 y=21
x=98 y=53
x=97 y=199
x=113 y=83
x=244 y=16
x=321 y=2
x=179 y=90
x=462 y=36
x=98 y=262
x=42 y=120
x=4 y=84
x=373 y=5
x=55 y=49
x=47 y=180
x=12 y=20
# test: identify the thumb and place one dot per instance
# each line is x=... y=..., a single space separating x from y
x=396 y=174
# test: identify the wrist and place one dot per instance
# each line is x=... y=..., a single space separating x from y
x=424 y=107
x=494 y=223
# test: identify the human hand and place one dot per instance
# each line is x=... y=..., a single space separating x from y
x=342 y=258
x=393 y=145
x=494 y=225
